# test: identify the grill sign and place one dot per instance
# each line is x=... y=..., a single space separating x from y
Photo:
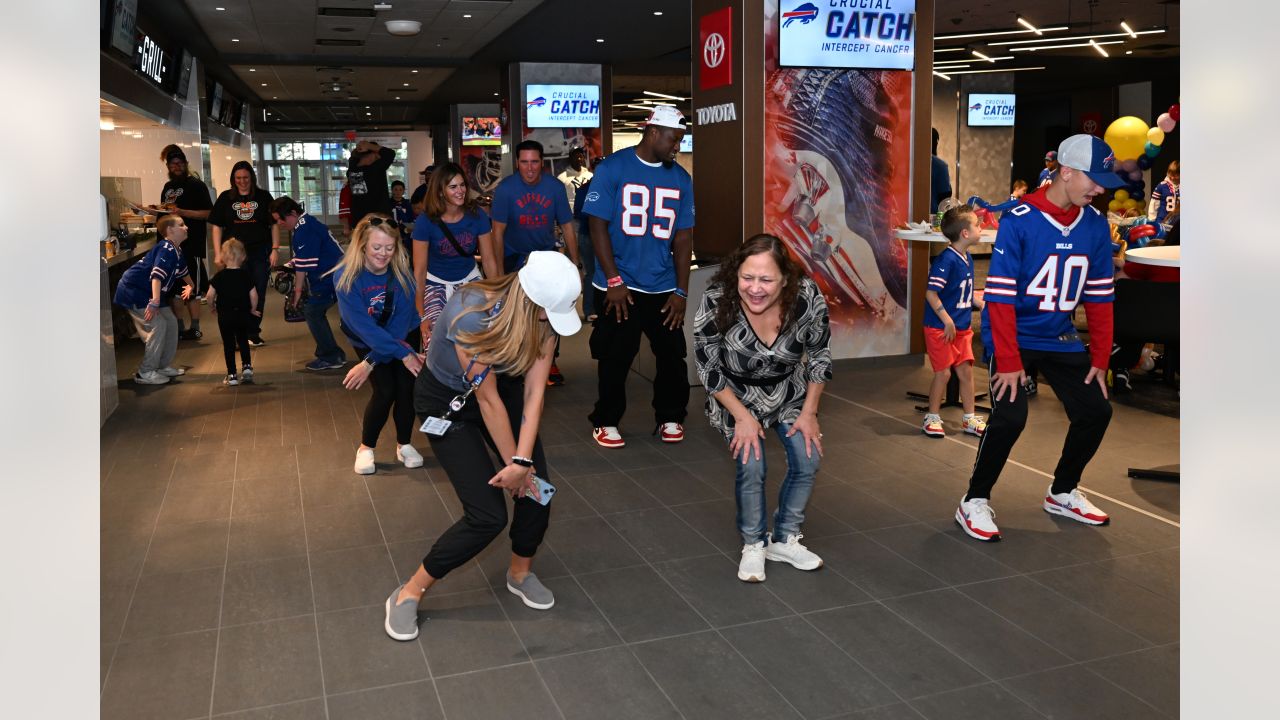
x=873 y=34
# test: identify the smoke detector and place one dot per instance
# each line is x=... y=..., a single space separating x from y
x=404 y=27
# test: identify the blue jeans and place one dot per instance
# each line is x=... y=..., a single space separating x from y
x=587 y=253
x=314 y=310
x=793 y=496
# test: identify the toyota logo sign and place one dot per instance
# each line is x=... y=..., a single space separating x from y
x=713 y=50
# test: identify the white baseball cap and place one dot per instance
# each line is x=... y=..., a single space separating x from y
x=666 y=116
x=551 y=281
x=1091 y=156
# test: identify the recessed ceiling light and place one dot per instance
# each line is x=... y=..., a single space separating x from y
x=413 y=71
x=264 y=84
x=466 y=16
x=252 y=70
x=366 y=107
x=495 y=94
x=275 y=97
x=369 y=114
x=405 y=84
x=657 y=12
x=599 y=39
x=397 y=97
x=219 y=9
x=1128 y=52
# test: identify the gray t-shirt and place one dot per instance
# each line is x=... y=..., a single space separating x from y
x=467 y=307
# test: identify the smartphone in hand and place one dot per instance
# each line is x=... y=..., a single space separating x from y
x=545 y=490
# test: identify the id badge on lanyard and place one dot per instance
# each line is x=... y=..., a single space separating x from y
x=438 y=426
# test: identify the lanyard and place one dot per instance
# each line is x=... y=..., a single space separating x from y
x=458 y=401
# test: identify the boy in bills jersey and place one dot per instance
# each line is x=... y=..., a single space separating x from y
x=1166 y=198
x=1053 y=252
x=640 y=212
x=948 y=320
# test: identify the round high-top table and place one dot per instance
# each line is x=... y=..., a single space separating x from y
x=1161 y=255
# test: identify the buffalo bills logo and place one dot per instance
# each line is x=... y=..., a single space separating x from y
x=376 y=303
x=805 y=13
x=537 y=102
x=1109 y=161
x=975 y=107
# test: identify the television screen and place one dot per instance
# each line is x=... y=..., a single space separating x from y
x=562 y=106
x=481 y=131
x=881 y=35
x=686 y=143
x=991 y=110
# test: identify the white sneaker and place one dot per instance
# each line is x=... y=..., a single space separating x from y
x=608 y=436
x=364 y=462
x=246 y=373
x=933 y=426
x=409 y=456
x=978 y=519
x=150 y=378
x=1075 y=506
x=791 y=551
x=751 y=567
x=172 y=371
x=973 y=425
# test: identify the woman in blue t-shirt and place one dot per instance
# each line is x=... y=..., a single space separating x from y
x=445 y=243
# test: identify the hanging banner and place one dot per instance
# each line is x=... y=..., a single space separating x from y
x=715 y=31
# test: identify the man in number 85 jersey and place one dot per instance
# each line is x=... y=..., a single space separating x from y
x=640 y=212
x=1052 y=252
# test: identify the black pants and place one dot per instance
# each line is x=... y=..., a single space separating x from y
x=1088 y=411
x=464 y=453
x=392 y=385
x=615 y=344
x=258 y=265
x=234 y=328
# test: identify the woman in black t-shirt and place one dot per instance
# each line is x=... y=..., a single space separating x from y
x=244 y=213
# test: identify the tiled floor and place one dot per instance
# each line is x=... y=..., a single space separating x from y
x=244 y=567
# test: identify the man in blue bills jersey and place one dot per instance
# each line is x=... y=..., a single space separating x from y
x=640 y=212
x=1052 y=252
x=315 y=253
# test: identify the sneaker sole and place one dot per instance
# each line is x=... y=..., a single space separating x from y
x=1063 y=512
x=936 y=436
x=525 y=598
x=386 y=625
x=672 y=440
x=411 y=464
x=971 y=533
x=973 y=433
x=605 y=444
x=369 y=471
x=751 y=578
x=792 y=563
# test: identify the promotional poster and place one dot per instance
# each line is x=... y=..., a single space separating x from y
x=837 y=182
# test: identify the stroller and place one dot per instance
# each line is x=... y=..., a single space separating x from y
x=283 y=279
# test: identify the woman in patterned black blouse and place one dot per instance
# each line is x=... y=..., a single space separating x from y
x=762 y=343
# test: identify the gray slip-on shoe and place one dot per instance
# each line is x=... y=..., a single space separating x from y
x=402 y=619
x=532 y=592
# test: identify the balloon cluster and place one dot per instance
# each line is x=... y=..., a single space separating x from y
x=1136 y=145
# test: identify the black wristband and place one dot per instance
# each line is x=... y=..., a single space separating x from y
x=521 y=461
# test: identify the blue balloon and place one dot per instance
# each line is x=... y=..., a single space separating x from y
x=1144 y=162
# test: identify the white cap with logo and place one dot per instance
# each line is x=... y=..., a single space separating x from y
x=666 y=116
x=552 y=283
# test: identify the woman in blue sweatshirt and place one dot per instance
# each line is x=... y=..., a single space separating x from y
x=376 y=291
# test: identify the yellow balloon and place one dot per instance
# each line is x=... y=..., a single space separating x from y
x=1130 y=204
x=1127 y=137
x=1122 y=195
x=1115 y=206
x=1155 y=136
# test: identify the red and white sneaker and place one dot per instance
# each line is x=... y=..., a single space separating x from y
x=608 y=436
x=978 y=519
x=933 y=426
x=1075 y=506
x=973 y=425
x=671 y=432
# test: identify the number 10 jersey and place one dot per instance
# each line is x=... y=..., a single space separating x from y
x=645 y=205
x=1044 y=269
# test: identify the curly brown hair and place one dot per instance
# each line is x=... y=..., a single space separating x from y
x=727 y=278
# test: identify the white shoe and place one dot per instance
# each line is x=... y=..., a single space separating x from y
x=364 y=462
x=973 y=425
x=978 y=519
x=751 y=567
x=791 y=551
x=409 y=456
x=1075 y=506
x=608 y=436
x=150 y=378
x=172 y=371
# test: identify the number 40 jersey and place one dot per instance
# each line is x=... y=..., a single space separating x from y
x=1044 y=269
x=644 y=204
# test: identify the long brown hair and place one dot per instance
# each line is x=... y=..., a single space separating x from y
x=434 y=202
x=513 y=339
x=727 y=278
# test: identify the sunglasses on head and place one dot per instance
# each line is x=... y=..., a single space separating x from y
x=376 y=221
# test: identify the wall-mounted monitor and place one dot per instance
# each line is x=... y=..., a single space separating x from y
x=686 y=143
x=481 y=131
x=991 y=110
x=877 y=35
x=562 y=106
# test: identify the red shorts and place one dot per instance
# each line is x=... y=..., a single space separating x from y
x=943 y=354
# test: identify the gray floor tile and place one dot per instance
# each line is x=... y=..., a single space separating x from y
x=415 y=700
x=589 y=545
x=581 y=461
x=871 y=566
x=677 y=485
x=352 y=577
x=265 y=494
x=266 y=664
x=613 y=493
x=975 y=703
x=199 y=468
x=195 y=503
x=636 y=455
x=122 y=551
x=267 y=590
x=707 y=679
x=712 y=587
x=572 y=625
x=1074 y=692
x=113 y=608
x=605 y=684
x=333 y=487
x=495 y=560
x=326 y=455
x=161 y=678
x=714 y=520
x=171 y=603
x=808 y=590
x=357 y=654
x=305 y=710
x=1099 y=588
x=640 y=605
x=412 y=517
x=262 y=537
x=341 y=526
x=1157 y=571
x=106 y=652
x=520 y=693
x=569 y=503
x=940 y=555
x=990 y=643
x=1151 y=674
x=467 y=631
x=897 y=653
x=267 y=462
x=857 y=509
x=896 y=711
x=187 y=547
x=807 y=669
x=659 y=535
